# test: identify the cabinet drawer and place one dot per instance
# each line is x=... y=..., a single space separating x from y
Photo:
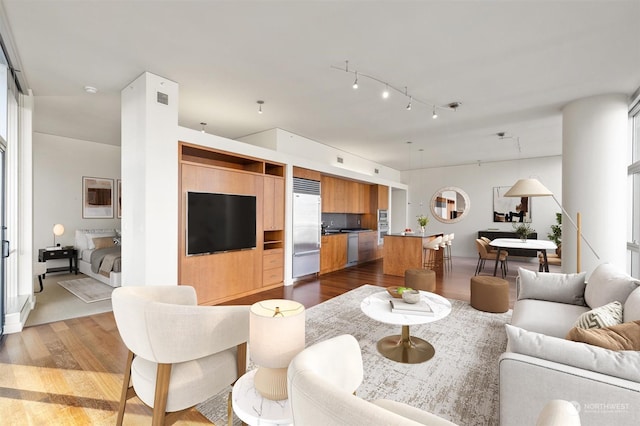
x=272 y=276
x=272 y=260
x=57 y=254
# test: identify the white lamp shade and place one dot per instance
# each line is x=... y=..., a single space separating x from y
x=58 y=229
x=275 y=340
x=528 y=188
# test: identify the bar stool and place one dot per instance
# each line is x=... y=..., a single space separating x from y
x=449 y=255
x=429 y=249
x=445 y=253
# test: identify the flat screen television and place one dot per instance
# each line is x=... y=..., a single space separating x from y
x=220 y=222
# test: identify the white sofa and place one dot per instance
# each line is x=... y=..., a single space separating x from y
x=540 y=364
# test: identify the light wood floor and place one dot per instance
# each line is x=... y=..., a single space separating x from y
x=70 y=372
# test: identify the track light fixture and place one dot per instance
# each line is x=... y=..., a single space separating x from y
x=260 y=103
x=203 y=124
x=451 y=106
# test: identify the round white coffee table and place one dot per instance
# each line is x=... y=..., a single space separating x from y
x=254 y=409
x=404 y=347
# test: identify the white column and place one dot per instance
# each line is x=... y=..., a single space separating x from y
x=150 y=181
x=594 y=179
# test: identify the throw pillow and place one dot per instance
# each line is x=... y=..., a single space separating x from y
x=622 y=364
x=90 y=236
x=606 y=284
x=103 y=242
x=631 y=310
x=604 y=316
x=621 y=337
x=560 y=288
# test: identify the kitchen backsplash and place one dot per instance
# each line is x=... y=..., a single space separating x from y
x=341 y=220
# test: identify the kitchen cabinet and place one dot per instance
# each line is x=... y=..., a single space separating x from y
x=344 y=196
x=367 y=246
x=273 y=217
x=333 y=252
x=383 y=197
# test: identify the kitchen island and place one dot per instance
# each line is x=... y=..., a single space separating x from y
x=402 y=252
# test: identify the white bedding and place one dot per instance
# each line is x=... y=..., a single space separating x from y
x=82 y=244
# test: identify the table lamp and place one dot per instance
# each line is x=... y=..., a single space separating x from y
x=276 y=335
x=534 y=188
x=58 y=230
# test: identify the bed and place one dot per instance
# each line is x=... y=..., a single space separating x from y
x=99 y=255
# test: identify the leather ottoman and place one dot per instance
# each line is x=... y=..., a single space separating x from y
x=420 y=279
x=489 y=294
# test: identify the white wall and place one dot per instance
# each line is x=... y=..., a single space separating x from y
x=478 y=182
x=59 y=164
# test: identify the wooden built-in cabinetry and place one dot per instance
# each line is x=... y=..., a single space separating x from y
x=344 y=196
x=333 y=252
x=367 y=246
x=223 y=276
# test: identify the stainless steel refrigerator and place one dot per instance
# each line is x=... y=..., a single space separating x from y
x=307 y=216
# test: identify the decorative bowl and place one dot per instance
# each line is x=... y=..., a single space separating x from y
x=393 y=291
x=411 y=296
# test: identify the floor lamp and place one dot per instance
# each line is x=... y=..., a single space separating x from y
x=533 y=188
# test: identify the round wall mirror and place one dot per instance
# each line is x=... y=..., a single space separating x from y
x=450 y=204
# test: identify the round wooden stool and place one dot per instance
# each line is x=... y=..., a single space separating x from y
x=420 y=279
x=489 y=294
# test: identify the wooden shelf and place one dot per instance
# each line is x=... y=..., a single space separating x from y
x=274 y=169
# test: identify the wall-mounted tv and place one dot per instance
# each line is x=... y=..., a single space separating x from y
x=220 y=222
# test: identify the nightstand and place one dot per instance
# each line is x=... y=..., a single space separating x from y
x=63 y=253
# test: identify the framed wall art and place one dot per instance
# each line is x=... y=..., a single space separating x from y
x=97 y=198
x=510 y=209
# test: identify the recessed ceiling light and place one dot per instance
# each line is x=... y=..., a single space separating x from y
x=90 y=89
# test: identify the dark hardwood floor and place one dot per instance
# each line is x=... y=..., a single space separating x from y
x=70 y=372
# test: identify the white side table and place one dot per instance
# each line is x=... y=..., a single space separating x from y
x=255 y=410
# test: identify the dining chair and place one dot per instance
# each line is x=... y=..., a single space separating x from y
x=484 y=254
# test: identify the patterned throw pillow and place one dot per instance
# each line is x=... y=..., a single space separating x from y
x=604 y=316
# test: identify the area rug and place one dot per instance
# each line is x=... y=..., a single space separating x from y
x=88 y=290
x=460 y=383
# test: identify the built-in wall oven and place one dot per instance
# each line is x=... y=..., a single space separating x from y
x=383 y=225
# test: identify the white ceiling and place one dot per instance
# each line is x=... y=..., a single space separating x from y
x=513 y=65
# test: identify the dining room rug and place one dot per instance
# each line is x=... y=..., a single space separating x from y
x=460 y=383
x=88 y=290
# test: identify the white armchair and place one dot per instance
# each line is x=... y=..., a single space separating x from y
x=180 y=354
x=322 y=380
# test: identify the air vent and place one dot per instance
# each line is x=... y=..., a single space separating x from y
x=340 y=160
x=162 y=98
x=306 y=186
x=376 y=171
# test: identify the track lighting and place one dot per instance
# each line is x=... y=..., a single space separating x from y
x=260 y=103
x=451 y=106
x=202 y=123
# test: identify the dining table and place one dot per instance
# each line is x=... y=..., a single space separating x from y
x=531 y=244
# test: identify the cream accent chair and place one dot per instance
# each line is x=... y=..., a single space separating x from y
x=322 y=381
x=180 y=354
